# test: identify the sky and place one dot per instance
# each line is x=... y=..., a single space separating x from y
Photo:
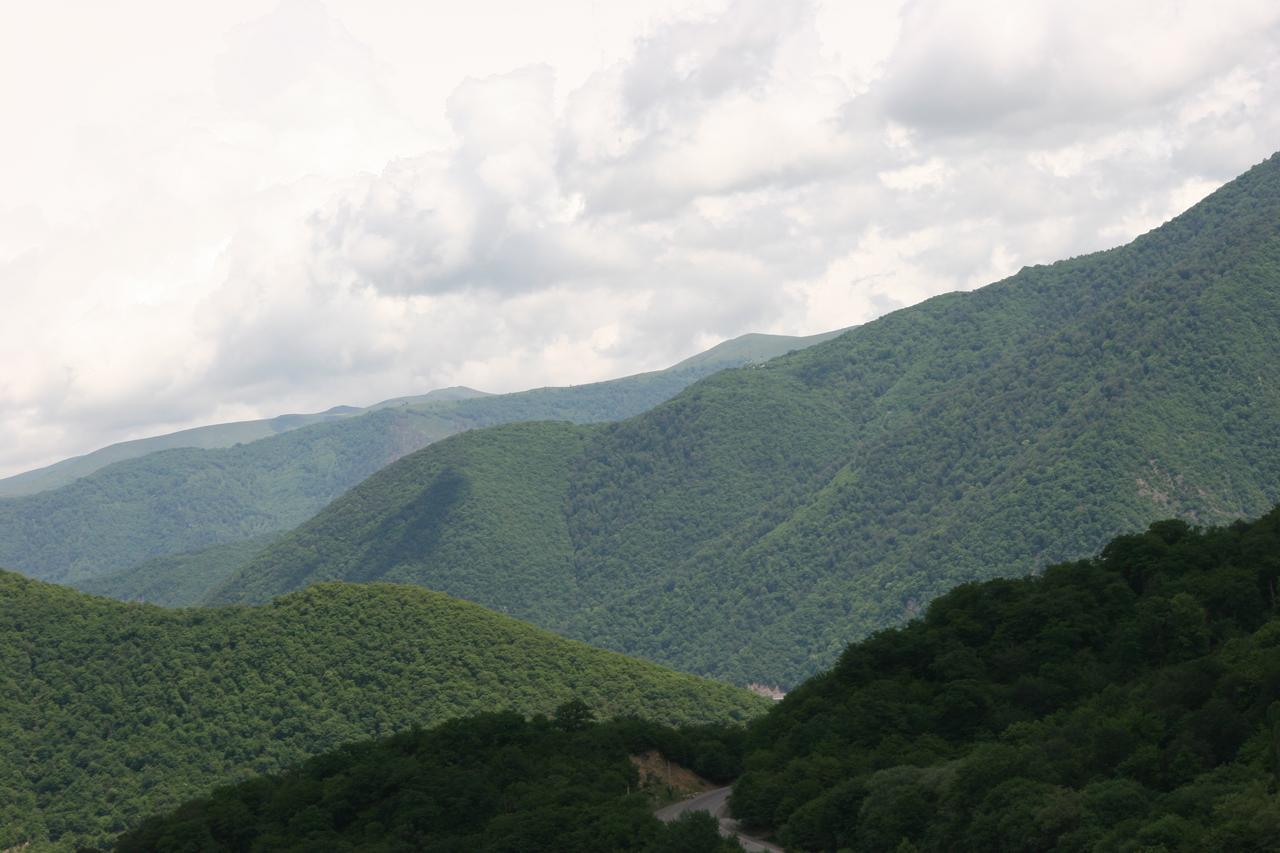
x=221 y=211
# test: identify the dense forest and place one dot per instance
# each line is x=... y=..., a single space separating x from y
x=481 y=517
x=179 y=580
x=181 y=500
x=495 y=782
x=1125 y=703
x=110 y=711
x=759 y=521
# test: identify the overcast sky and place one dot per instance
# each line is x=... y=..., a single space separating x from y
x=216 y=211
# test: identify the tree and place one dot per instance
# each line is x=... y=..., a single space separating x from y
x=574 y=715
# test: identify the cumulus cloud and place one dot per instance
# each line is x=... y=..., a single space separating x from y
x=317 y=207
x=1028 y=69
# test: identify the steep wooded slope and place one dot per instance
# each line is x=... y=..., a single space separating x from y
x=1126 y=703
x=109 y=711
x=755 y=524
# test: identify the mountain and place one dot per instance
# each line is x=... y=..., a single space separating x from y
x=1127 y=702
x=182 y=500
x=1130 y=702
x=753 y=525
x=110 y=711
x=482 y=516
x=207 y=437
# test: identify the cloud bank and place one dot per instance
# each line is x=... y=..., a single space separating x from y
x=338 y=203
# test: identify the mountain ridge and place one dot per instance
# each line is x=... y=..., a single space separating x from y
x=207 y=437
x=753 y=525
x=183 y=499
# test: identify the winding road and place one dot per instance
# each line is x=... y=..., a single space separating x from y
x=717 y=804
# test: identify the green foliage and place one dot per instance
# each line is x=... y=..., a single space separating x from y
x=574 y=715
x=1115 y=704
x=110 y=711
x=754 y=525
x=481 y=517
x=185 y=499
x=494 y=782
x=1125 y=703
x=179 y=580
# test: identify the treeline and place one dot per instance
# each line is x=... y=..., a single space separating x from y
x=1125 y=703
x=494 y=782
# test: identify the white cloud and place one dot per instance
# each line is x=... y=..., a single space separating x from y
x=1030 y=68
x=255 y=208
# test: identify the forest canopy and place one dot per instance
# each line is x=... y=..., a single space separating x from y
x=112 y=711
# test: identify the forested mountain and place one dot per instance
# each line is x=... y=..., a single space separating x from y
x=756 y=523
x=208 y=437
x=1125 y=703
x=110 y=711
x=182 y=500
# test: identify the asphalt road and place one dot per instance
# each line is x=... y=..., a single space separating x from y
x=717 y=804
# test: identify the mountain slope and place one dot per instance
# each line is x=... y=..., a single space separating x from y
x=1123 y=703
x=759 y=521
x=109 y=711
x=207 y=437
x=181 y=500
x=486 y=507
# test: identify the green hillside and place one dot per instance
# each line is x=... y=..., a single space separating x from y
x=181 y=500
x=1121 y=704
x=755 y=524
x=110 y=711
x=1127 y=703
x=486 y=506
x=179 y=580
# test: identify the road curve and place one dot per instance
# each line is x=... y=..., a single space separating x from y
x=717 y=804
